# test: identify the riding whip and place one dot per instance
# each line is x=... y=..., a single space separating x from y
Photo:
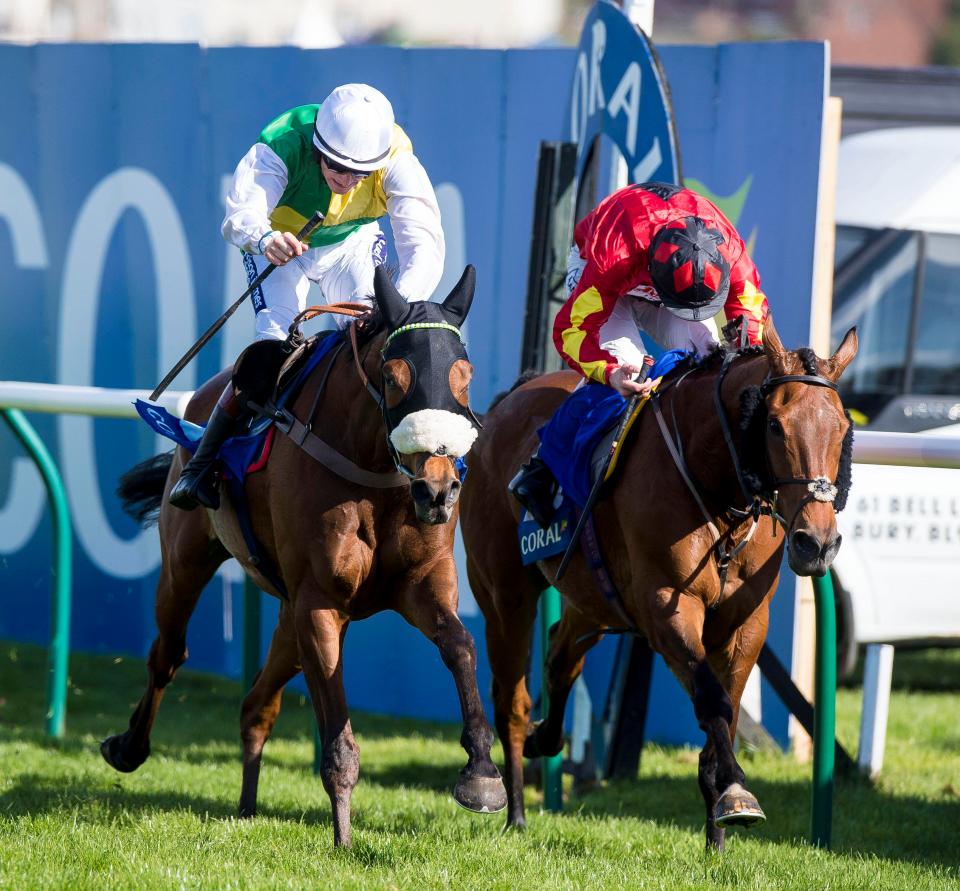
x=601 y=476
x=302 y=235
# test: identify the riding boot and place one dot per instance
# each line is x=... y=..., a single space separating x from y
x=535 y=487
x=199 y=482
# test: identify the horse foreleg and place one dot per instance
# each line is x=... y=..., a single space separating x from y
x=262 y=705
x=677 y=633
x=732 y=804
x=568 y=647
x=320 y=640
x=188 y=564
x=430 y=605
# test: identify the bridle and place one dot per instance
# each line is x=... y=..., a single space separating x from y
x=759 y=503
x=361 y=313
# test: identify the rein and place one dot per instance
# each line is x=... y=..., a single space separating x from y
x=819 y=488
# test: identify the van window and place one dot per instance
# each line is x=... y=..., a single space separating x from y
x=936 y=358
x=877 y=298
x=849 y=240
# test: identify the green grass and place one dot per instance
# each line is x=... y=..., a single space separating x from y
x=68 y=820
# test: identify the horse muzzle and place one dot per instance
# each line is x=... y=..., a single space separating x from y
x=809 y=553
x=434 y=500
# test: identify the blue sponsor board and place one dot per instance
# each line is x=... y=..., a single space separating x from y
x=111 y=184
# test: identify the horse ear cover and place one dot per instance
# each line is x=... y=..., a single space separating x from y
x=392 y=305
x=459 y=299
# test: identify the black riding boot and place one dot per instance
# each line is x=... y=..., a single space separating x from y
x=199 y=481
x=535 y=487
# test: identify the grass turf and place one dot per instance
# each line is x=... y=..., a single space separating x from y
x=68 y=820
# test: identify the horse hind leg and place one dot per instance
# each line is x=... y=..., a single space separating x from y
x=261 y=706
x=571 y=640
x=188 y=564
x=320 y=635
x=508 y=651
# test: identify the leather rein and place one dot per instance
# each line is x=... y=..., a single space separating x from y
x=818 y=488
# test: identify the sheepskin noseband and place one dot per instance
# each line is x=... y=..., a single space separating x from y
x=434 y=431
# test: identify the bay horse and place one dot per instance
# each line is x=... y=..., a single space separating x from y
x=341 y=549
x=669 y=530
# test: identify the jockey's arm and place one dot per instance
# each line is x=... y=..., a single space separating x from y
x=415 y=220
x=745 y=298
x=258 y=183
x=576 y=330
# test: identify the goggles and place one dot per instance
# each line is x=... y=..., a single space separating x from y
x=339 y=168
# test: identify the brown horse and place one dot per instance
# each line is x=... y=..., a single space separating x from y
x=341 y=549
x=663 y=538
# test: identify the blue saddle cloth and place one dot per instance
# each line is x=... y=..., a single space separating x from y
x=568 y=439
x=238 y=452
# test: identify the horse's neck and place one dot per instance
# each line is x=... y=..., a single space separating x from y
x=699 y=428
x=349 y=416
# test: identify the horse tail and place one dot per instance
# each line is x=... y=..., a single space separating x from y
x=140 y=489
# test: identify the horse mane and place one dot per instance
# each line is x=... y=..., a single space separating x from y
x=525 y=376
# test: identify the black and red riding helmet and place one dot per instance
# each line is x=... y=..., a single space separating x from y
x=690 y=274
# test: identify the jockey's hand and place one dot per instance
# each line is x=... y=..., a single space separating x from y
x=284 y=246
x=621 y=379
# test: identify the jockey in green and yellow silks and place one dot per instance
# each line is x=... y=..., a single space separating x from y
x=347 y=159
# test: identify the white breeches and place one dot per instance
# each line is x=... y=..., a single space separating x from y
x=620 y=334
x=343 y=272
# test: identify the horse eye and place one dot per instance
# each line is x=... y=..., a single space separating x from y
x=775 y=427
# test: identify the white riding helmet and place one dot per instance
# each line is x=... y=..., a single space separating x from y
x=354 y=127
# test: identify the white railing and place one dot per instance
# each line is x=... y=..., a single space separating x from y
x=906 y=449
x=96 y=401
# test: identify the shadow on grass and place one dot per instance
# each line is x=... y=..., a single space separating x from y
x=199 y=724
x=34 y=793
x=865 y=820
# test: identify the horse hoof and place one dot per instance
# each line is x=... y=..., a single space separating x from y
x=533 y=745
x=117 y=755
x=737 y=807
x=482 y=795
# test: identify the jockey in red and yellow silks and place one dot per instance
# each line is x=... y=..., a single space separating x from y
x=654 y=257
x=658 y=257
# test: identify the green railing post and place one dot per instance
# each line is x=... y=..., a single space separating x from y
x=251 y=633
x=552 y=767
x=58 y=653
x=824 y=716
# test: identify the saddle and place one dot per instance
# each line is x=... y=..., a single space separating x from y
x=270 y=371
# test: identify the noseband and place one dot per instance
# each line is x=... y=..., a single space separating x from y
x=819 y=488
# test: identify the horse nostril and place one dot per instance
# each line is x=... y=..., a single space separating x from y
x=453 y=492
x=421 y=491
x=805 y=546
x=832 y=547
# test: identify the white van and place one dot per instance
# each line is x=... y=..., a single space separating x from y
x=897 y=278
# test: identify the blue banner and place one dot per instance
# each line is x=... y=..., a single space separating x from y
x=113 y=163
